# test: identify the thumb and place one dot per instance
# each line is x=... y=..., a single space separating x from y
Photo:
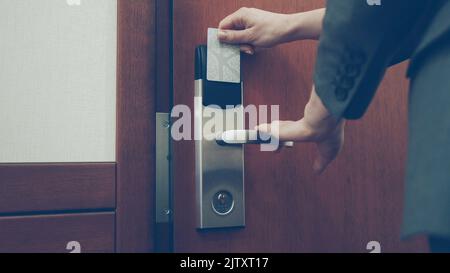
x=235 y=36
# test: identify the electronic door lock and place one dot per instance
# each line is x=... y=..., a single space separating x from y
x=219 y=157
x=219 y=168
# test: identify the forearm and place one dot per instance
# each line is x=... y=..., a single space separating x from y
x=305 y=25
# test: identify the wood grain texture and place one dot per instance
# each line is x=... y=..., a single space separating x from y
x=56 y=187
x=163 y=55
x=136 y=126
x=51 y=233
x=163 y=237
x=163 y=240
x=288 y=208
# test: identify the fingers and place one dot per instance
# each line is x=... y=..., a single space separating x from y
x=286 y=130
x=235 y=36
x=234 y=21
x=248 y=49
x=235 y=30
x=328 y=151
x=321 y=164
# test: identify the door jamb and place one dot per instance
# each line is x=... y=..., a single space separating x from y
x=136 y=110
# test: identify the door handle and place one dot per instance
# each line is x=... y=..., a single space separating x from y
x=245 y=137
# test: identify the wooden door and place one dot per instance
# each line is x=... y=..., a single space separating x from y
x=288 y=208
x=77 y=125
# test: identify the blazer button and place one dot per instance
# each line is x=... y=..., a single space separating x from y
x=341 y=94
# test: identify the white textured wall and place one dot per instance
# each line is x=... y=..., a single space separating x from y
x=57 y=81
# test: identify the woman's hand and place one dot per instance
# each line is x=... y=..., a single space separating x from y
x=255 y=29
x=317 y=126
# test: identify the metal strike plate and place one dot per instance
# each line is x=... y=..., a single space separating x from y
x=163 y=206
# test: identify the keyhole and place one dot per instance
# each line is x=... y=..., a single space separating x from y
x=222 y=199
x=74 y=247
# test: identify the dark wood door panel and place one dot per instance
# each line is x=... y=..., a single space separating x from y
x=52 y=233
x=288 y=207
x=57 y=187
x=136 y=126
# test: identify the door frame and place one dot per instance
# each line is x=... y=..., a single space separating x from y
x=135 y=157
x=144 y=88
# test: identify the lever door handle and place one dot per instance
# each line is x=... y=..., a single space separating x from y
x=244 y=137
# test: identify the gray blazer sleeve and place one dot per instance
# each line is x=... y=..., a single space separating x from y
x=359 y=42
